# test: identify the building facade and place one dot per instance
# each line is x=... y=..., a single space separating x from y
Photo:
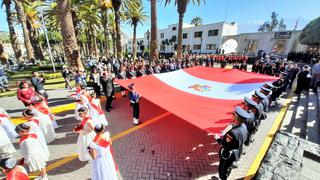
x=196 y=39
x=280 y=43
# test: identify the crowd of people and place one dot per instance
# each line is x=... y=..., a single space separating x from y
x=94 y=143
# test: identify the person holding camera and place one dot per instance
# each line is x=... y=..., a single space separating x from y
x=38 y=83
x=66 y=74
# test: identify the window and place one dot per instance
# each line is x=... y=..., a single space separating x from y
x=162 y=48
x=196 y=46
x=185 y=35
x=174 y=28
x=214 y=32
x=129 y=42
x=211 y=46
x=198 y=34
x=184 y=47
x=162 y=35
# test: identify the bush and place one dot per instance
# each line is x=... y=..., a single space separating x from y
x=52 y=75
x=49 y=68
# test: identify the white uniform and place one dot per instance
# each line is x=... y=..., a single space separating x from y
x=45 y=125
x=32 y=152
x=6 y=146
x=104 y=166
x=98 y=118
x=8 y=126
x=85 y=138
x=35 y=128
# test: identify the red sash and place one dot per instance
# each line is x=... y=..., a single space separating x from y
x=23 y=138
x=34 y=120
x=40 y=107
x=4 y=115
x=100 y=141
x=94 y=105
x=84 y=121
x=16 y=175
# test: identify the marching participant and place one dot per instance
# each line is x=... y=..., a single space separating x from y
x=252 y=124
x=265 y=101
x=134 y=103
x=12 y=170
x=96 y=112
x=8 y=126
x=232 y=142
x=34 y=124
x=79 y=104
x=6 y=147
x=103 y=166
x=32 y=151
x=45 y=121
x=86 y=134
x=258 y=97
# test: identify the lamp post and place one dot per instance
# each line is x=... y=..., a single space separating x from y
x=148 y=37
x=46 y=34
x=201 y=45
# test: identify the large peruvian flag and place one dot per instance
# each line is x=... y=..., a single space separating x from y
x=205 y=97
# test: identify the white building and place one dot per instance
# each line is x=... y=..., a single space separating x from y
x=268 y=42
x=196 y=39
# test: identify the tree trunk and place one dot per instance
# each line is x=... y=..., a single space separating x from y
x=13 y=37
x=181 y=8
x=154 y=36
x=114 y=44
x=118 y=34
x=179 y=47
x=68 y=35
x=104 y=19
x=94 y=41
x=22 y=19
x=134 y=43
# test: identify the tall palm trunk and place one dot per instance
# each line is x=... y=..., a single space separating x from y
x=134 y=43
x=182 y=7
x=22 y=19
x=94 y=42
x=154 y=41
x=113 y=35
x=68 y=35
x=13 y=36
x=118 y=34
x=104 y=19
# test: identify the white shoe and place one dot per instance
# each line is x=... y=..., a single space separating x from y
x=135 y=121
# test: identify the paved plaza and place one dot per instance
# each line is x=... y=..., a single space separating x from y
x=162 y=147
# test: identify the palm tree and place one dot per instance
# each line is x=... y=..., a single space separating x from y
x=182 y=8
x=22 y=19
x=68 y=34
x=134 y=17
x=112 y=30
x=13 y=36
x=33 y=26
x=154 y=34
x=197 y=21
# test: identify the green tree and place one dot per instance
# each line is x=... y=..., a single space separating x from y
x=134 y=17
x=310 y=34
x=182 y=8
x=197 y=21
x=282 y=25
x=274 y=21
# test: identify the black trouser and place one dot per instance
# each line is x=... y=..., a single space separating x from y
x=96 y=89
x=225 y=165
x=109 y=101
x=136 y=110
x=67 y=81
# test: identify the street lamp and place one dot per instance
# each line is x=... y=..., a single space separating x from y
x=201 y=45
x=148 y=37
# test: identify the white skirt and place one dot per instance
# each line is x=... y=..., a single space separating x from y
x=83 y=142
x=37 y=161
x=47 y=129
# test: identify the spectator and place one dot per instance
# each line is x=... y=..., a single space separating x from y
x=25 y=93
x=95 y=81
x=66 y=74
x=302 y=81
x=81 y=77
x=38 y=83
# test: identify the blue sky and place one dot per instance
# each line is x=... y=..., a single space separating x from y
x=247 y=13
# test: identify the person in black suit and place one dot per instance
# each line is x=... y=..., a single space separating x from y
x=38 y=83
x=106 y=80
x=303 y=80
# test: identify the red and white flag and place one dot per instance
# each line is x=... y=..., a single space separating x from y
x=205 y=97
